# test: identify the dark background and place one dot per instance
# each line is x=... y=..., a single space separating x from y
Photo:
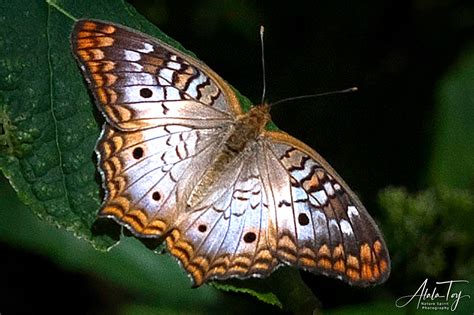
x=395 y=52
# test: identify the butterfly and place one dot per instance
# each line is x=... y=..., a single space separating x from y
x=182 y=161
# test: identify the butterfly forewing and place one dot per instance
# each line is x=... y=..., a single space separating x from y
x=140 y=82
x=179 y=159
x=326 y=228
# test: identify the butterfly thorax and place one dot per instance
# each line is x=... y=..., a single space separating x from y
x=242 y=134
x=247 y=128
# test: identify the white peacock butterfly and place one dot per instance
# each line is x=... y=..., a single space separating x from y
x=180 y=159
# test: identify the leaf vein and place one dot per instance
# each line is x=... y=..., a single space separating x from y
x=53 y=115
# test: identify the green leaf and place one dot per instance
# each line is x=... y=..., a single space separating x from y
x=284 y=289
x=452 y=161
x=49 y=125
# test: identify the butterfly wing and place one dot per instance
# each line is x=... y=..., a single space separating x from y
x=166 y=113
x=322 y=225
x=282 y=205
x=140 y=82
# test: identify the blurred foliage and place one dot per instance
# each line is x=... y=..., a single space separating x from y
x=452 y=162
x=52 y=168
x=430 y=233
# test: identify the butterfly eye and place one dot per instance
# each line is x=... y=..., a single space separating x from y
x=303 y=219
x=137 y=153
x=249 y=237
x=146 y=93
x=202 y=228
x=156 y=196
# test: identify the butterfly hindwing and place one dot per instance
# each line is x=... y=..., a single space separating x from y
x=230 y=236
x=146 y=172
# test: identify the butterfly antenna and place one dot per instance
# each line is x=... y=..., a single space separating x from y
x=352 y=89
x=262 y=30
